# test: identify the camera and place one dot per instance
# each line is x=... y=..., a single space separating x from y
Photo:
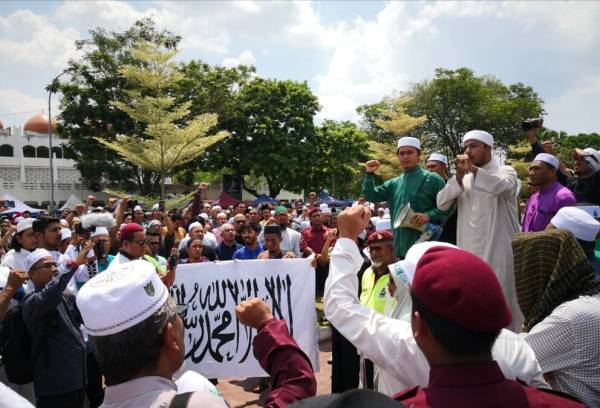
x=529 y=124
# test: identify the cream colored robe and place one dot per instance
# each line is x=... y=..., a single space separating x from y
x=487 y=222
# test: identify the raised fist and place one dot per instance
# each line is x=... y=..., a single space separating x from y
x=253 y=312
x=372 y=166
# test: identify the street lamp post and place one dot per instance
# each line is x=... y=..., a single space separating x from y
x=52 y=88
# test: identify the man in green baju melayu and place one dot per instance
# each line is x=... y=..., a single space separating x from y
x=414 y=185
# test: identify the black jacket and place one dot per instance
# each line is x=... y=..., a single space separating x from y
x=53 y=322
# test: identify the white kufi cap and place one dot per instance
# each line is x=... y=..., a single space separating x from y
x=438 y=157
x=25 y=224
x=99 y=231
x=480 y=135
x=578 y=221
x=65 y=233
x=547 y=158
x=409 y=142
x=193 y=225
x=121 y=297
x=35 y=256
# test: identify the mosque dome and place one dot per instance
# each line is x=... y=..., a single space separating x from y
x=39 y=123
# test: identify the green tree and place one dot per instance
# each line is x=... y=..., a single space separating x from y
x=339 y=147
x=211 y=89
x=396 y=120
x=369 y=115
x=272 y=137
x=95 y=82
x=456 y=101
x=164 y=143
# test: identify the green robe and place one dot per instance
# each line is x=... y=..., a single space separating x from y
x=417 y=186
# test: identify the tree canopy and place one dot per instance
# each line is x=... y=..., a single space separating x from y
x=171 y=137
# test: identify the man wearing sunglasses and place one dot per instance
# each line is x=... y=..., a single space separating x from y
x=133 y=241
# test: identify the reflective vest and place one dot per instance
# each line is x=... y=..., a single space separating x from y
x=372 y=294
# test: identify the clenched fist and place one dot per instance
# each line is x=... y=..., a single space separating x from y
x=253 y=312
x=352 y=221
x=372 y=165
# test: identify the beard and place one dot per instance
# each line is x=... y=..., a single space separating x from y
x=376 y=264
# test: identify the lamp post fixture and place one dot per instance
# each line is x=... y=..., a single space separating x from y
x=52 y=88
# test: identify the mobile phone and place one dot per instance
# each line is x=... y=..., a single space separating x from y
x=161 y=205
x=172 y=262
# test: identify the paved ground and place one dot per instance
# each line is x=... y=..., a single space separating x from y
x=239 y=391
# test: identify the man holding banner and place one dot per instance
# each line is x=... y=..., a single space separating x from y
x=415 y=186
x=138 y=339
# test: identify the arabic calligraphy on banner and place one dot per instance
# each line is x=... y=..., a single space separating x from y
x=216 y=343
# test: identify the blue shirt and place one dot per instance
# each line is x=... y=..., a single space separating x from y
x=247 y=253
x=225 y=252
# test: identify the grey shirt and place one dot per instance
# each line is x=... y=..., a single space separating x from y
x=154 y=392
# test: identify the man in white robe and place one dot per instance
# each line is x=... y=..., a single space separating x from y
x=487 y=211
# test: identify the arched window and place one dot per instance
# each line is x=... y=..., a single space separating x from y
x=28 y=151
x=6 y=151
x=57 y=152
x=42 y=152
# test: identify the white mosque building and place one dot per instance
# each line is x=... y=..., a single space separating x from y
x=25 y=164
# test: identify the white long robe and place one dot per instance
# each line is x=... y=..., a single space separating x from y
x=487 y=222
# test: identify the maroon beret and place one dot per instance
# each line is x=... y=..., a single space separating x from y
x=379 y=237
x=313 y=210
x=127 y=230
x=460 y=287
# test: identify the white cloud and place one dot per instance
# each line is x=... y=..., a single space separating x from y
x=28 y=38
x=17 y=107
x=245 y=58
x=577 y=108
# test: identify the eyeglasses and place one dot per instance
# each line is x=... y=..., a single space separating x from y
x=47 y=265
x=141 y=242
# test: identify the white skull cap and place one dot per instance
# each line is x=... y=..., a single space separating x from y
x=121 y=297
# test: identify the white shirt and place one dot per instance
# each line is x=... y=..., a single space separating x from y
x=389 y=343
x=290 y=241
x=567 y=344
x=15 y=260
x=210 y=240
x=154 y=392
x=487 y=222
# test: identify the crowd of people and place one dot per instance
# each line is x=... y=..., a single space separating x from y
x=501 y=307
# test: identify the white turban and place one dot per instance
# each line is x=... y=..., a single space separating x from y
x=480 y=135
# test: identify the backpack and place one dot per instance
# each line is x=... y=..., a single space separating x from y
x=16 y=347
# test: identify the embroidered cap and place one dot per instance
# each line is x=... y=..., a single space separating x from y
x=121 y=297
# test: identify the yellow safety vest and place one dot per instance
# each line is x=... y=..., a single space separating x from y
x=372 y=294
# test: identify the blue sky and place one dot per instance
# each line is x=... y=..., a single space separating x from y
x=350 y=53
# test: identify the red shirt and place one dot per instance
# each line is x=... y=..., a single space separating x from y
x=314 y=238
x=478 y=385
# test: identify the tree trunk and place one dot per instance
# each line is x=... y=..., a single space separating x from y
x=162 y=184
x=252 y=191
x=274 y=188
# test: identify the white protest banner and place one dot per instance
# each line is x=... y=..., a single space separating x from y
x=216 y=343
